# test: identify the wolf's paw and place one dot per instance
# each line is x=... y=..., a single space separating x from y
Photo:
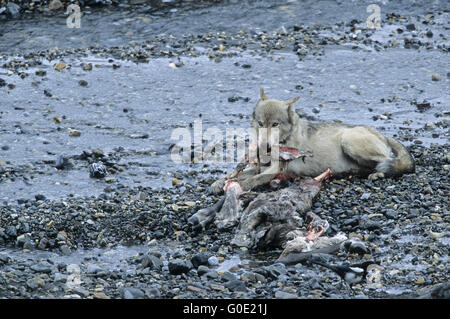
x=217 y=186
x=375 y=176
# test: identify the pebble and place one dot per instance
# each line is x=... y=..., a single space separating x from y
x=97 y=170
x=87 y=67
x=151 y=261
x=100 y=295
x=92 y=269
x=35 y=283
x=213 y=261
x=436 y=77
x=199 y=259
x=55 y=5
x=13 y=9
x=365 y=196
x=279 y=294
x=132 y=293
x=430 y=126
x=43 y=267
x=59 y=66
x=74 y=133
x=39 y=197
x=179 y=266
x=411 y=27
x=228 y=276
x=236 y=285
x=202 y=269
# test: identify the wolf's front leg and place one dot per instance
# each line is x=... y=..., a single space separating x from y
x=260 y=179
x=217 y=186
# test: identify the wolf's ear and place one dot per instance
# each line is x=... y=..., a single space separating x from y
x=289 y=102
x=262 y=95
x=293 y=117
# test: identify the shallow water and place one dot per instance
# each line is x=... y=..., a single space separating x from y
x=119 y=26
x=158 y=99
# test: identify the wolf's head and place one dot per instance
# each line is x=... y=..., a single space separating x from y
x=273 y=121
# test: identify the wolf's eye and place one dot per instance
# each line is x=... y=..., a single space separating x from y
x=275 y=124
x=261 y=124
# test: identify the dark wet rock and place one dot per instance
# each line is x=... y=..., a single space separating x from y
x=233 y=99
x=371 y=225
x=410 y=27
x=11 y=231
x=391 y=214
x=97 y=170
x=212 y=274
x=12 y=9
x=39 y=197
x=179 y=266
x=353 y=221
x=199 y=259
x=83 y=83
x=441 y=291
x=228 y=276
x=356 y=247
x=42 y=243
x=41 y=72
x=236 y=285
x=422 y=106
x=2 y=83
x=277 y=269
x=202 y=269
x=252 y=277
x=4 y=259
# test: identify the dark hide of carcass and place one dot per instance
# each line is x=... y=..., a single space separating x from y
x=273 y=219
x=279 y=218
x=271 y=216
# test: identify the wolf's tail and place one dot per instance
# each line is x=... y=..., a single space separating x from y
x=403 y=163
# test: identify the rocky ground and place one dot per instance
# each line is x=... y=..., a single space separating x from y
x=125 y=235
x=403 y=223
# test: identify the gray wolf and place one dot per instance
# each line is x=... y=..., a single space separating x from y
x=345 y=149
